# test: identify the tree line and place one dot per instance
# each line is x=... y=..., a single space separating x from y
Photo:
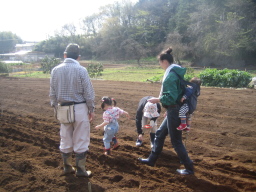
x=8 y=40
x=216 y=33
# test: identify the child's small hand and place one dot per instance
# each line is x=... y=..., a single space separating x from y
x=182 y=99
x=127 y=114
x=101 y=125
x=97 y=127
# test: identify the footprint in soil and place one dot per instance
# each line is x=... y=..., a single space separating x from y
x=51 y=163
x=22 y=166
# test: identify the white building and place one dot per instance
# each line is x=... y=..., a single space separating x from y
x=25 y=47
x=24 y=53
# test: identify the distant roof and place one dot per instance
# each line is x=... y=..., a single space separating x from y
x=21 y=53
x=7 y=54
x=25 y=45
x=7 y=62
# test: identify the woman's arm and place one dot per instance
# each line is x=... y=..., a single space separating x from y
x=154 y=100
x=171 y=91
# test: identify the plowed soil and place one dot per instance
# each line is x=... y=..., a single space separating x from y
x=221 y=143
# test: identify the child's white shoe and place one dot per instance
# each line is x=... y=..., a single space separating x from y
x=138 y=143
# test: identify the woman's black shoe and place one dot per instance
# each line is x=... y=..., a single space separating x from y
x=147 y=162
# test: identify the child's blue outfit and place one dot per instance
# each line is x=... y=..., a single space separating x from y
x=110 y=116
x=110 y=131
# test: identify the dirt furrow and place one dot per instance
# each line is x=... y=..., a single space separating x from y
x=221 y=143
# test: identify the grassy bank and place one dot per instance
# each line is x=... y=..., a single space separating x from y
x=32 y=74
x=118 y=72
x=134 y=74
x=127 y=73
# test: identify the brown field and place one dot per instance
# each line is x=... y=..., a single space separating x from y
x=221 y=143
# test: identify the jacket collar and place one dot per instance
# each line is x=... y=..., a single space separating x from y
x=69 y=60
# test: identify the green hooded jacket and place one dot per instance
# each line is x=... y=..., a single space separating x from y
x=172 y=92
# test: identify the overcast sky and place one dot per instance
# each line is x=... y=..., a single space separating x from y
x=35 y=20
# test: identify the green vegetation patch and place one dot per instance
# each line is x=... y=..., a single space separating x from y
x=134 y=74
x=4 y=68
x=225 y=78
x=32 y=74
x=153 y=73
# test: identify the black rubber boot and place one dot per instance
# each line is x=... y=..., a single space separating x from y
x=189 y=169
x=150 y=161
x=80 y=165
x=67 y=159
x=152 y=138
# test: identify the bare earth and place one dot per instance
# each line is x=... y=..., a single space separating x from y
x=221 y=143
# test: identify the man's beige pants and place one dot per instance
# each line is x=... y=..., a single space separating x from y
x=76 y=136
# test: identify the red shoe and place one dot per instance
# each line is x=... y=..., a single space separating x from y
x=116 y=146
x=187 y=129
x=115 y=143
x=182 y=127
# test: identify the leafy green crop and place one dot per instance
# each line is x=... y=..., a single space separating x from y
x=225 y=78
x=95 y=70
x=48 y=64
x=3 y=68
x=190 y=73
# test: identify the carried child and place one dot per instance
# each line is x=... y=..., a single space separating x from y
x=189 y=101
x=110 y=116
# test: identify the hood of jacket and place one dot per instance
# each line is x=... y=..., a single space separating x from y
x=179 y=70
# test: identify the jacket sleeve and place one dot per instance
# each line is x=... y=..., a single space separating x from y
x=139 y=114
x=158 y=108
x=171 y=90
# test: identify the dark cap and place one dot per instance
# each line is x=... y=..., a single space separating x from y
x=72 y=48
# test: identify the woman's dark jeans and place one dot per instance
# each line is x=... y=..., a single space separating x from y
x=169 y=125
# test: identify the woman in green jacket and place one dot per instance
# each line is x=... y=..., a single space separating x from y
x=169 y=97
